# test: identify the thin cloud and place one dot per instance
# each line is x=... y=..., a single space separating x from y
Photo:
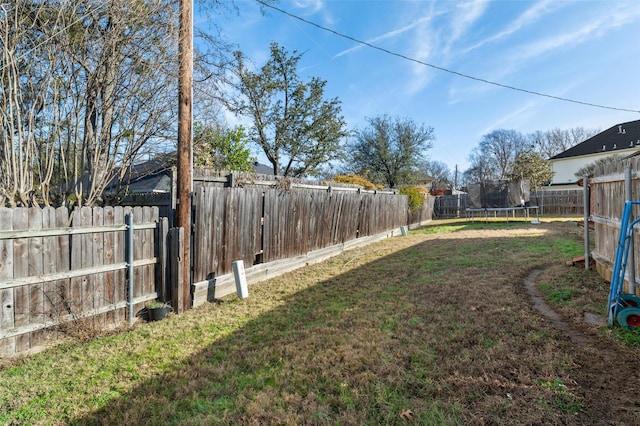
x=530 y=16
x=461 y=19
x=519 y=57
x=386 y=36
x=582 y=34
x=467 y=14
x=533 y=107
x=508 y=120
x=312 y=6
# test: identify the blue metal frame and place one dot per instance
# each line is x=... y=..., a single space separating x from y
x=622 y=255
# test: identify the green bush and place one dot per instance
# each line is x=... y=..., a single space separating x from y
x=416 y=196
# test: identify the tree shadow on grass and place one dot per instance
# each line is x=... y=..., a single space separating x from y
x=406 y=337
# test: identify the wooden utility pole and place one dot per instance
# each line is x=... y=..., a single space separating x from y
x=183 y=211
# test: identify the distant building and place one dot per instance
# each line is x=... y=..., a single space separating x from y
x=622 y=139
x=151 y=176
x=154 y=176
x=262 y=169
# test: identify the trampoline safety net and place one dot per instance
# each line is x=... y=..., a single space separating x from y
x=499 y=194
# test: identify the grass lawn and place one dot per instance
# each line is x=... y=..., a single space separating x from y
x=435 y=328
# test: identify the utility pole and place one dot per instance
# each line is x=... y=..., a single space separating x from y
x=455 y=179
x=183 y=212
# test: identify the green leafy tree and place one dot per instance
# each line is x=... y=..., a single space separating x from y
x=223 y=149
x=298 y=130
x=391 y=150
x=530 y=165
x=416 y=196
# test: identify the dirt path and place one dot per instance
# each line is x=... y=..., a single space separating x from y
x=608 y=379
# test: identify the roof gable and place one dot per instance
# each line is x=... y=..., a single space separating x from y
x=262 y=169
x=619 y=137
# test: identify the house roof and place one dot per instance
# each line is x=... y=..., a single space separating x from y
x=149 y=176
x=151 y=183
x=262 y=169
x=619 y=137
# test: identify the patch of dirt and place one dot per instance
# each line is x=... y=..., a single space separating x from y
x=574 y=335
x=607 y=377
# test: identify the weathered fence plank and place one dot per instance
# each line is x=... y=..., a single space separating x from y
x=162 y=253
x=21 y=269
x=86 y=261
x=176 y=241
x=97 y=246
x=36 y=267
x=49 y=257
x=119 y=255
x=148 y=283
x=63 y=263
x=108 y=259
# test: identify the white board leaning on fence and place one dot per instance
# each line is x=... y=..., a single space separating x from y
x=241 y=279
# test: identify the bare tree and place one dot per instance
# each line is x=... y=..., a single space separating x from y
x=502 y=147
x=482 y=169
x=95 y=80
x=126 y=64
x=440 y=172
x=28 y=85
x=552 y=142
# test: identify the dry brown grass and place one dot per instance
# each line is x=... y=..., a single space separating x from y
x=433 y=328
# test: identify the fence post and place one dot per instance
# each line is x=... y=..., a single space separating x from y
x=162 y=267
x=586 y=204
x=130 y=260
x=628 y=191
x=176 y=238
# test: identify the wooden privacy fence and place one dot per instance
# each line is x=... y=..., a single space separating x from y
x=277 y=229
x=212 y=177
x=550 y=203
x=259 y=226
x=608 y=195
x=559 y=203
x=57 y=268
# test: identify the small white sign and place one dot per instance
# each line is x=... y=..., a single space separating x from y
x=241 y=279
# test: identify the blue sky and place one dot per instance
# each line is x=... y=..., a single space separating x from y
x=585 y=50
